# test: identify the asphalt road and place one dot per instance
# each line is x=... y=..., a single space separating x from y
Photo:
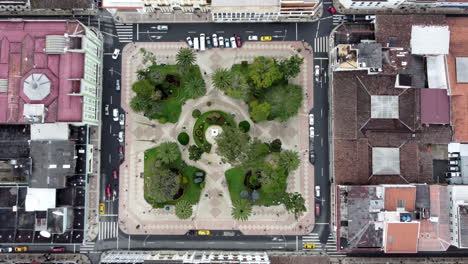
x=110 y=160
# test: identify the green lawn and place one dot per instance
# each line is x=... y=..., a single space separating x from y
x=192 y=190
x=171 y=108
x=201 y=125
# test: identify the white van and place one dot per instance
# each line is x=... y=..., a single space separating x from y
x=202 y=41
x=196 y=44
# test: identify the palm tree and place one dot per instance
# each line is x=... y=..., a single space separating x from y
x=185 y=58
x=139 y=103
x=168 y=152
x=289 y=160
x=183 y=209
x=222 y=79
x=241 y=209
x=195 y=87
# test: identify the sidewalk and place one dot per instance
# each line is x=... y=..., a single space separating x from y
x=45 y=257
x=433 y=11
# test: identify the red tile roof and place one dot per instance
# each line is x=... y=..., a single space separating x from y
x=22 y=53
x=393 y=194
x=435 y=106
x=401 y=237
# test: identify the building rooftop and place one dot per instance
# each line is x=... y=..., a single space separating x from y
x=430 y=40
x=400 y=197
x=30 y=76
x=62 y=4
x=458 y=90
x=401 y=237
x=53 y=161
x=370 y=54
x=435 y=106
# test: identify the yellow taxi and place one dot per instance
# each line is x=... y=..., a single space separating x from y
x=266 y=38
x=204 y=232
x=102 y=208
x=21 y=249
x=309 y=246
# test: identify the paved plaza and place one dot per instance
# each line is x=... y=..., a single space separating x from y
x=213 y=211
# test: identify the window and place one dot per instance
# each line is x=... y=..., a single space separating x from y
x=401 y=204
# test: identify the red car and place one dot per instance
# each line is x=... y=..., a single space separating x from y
x=317 y=209
x=58 y=249
x=238 y=41
x=115 y=174
x=331 y=9
x=108 y=191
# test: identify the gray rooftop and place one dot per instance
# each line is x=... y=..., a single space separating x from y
x=52 y=161
x=385 y=161
x=384 y=107
x=15 y=170
x=423 y=199
x=370 y=54
x=62 y=4
x=245 y=3
x=462 y=69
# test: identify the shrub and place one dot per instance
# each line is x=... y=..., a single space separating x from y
x=202 y=185
x=208 y=103
x=244 y=126
x=275 y=145
x=185 y=180
x=199 y=133
x=196 y=113
x=195 y=152
x=183 y=138
x=163 y=120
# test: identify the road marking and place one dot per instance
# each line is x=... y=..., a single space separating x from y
x=296 y=31
x=110 y=129
x=103 y=32
x=321 y=141
x=318 y=26
x=321 y=112
x=322 y=223
x=110 y=158
x=111 y=99
x=240 y=243
x=278 y=31
x=320 y=58
x=194 y=32
x=322 y=172
x=180 y=242
x=220 y=32
x=138 y=29
x=249 y=31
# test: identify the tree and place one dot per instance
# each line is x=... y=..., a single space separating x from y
x=195 y=152
x=185 y=58
x=232 y=145
x=257 y=150
x=285 y=101
x=168 y=152
x=274 y=181
x=239 y=88
x=241 y=209
x=162 y=184
x=183 y=138
x=291 y=67
x=259 y=112
x=275 y=145
x=156 y=76
x=295 y=203
x=183 y=209
x=263 y=72
x=222 y=79
x=139 y=103
x=195 y=87
x=289 y=160
x=143 y=88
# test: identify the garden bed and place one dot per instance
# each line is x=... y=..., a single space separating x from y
x=210 y=118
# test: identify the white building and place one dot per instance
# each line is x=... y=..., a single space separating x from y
x=402 y=4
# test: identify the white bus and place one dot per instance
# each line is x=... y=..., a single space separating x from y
x=196 y=45
x=202 y=41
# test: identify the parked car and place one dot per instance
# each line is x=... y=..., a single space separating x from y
x=454 y=168
x=122 y=119
x=312 y=157
x=162 y=27
x=115 y=114
x=309 y=246
x=317 y=209
x=116 y=54
x=454 y=155
x=121 y=153
x=202 y=41
x=311 y=132
x=370 y=17
x=196 y=44
x=6 y=250
x=238 y=41
x=102 y=208
x=317 y=72
x=266 y=38
x=452 y=174
x=331 y=9
x=453 y=162
x=253 y=37
x=21 y=249
x=189 y=42
x=214 y=37
x=106 y=109
x=317 y=191
x=117 y=85
x=108 y=191
x=221 y=41
x=58 y=249
x=204 y=232
x=227 y=43
x=311 y=119
x=121 y=137
x=208 y=42
x=233 y=42
x=115 y=173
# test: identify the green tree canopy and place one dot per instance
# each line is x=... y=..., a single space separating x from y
x=263 y=72
x=222 y=79
x=241 y=209
x=162 y=184
x=185 y=58
x=274 y=181
x=257 y=150
x=295 y=203
x=232 y=145
x=291 y=67
x=195 y=87
x=168 y=152
x=289 y=160
x=285 y=100
x=143 y=88
x=183 y=209
x=140 y=103
x=259 y=111
x=239 y=88
x=195 y=152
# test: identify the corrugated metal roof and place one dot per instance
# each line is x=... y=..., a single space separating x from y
x=435 y=106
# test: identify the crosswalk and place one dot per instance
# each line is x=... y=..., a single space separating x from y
x=87 y=247
x=313 y=238
x=321 y=44
x=337 y=19
x=108 y=230
x=124 y=32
